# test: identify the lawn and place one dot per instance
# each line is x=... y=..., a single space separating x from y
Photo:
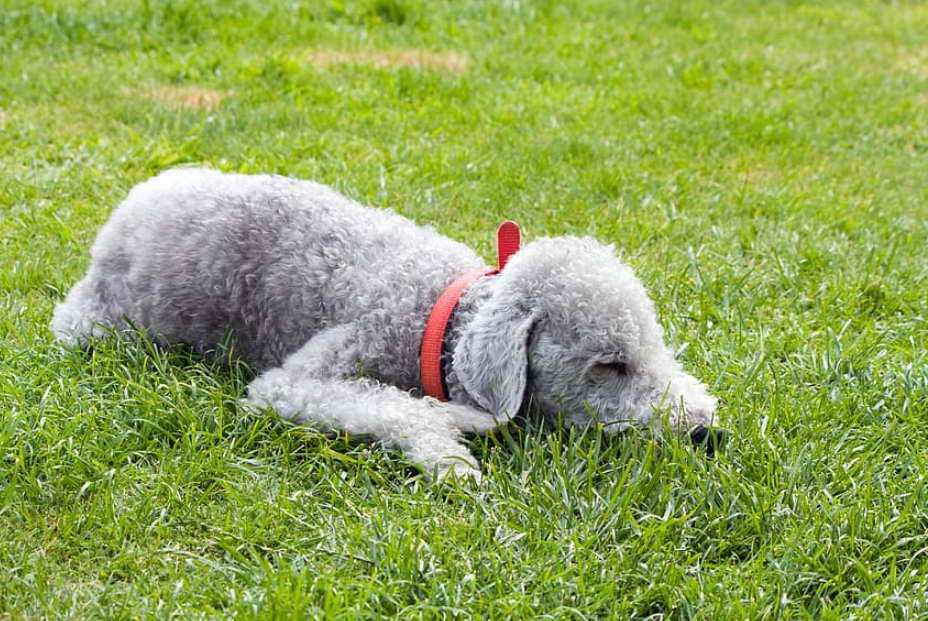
x=762 y=166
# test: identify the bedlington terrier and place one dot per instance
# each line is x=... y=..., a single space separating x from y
x=327 y=299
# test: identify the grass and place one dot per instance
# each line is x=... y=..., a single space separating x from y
x=761 y=165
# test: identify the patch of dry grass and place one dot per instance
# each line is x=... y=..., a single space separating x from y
x=449 y=62
x=913 y=61
x=191 y=97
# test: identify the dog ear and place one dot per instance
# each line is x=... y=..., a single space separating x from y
x=491 y=360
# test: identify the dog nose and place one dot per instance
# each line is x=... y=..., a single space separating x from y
x=711 y=439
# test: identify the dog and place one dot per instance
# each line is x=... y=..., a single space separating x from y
x=329 y=301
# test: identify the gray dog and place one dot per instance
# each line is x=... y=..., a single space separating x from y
x=328 y=299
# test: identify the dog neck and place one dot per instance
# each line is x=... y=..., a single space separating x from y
x=467 y=309
x=434 y=362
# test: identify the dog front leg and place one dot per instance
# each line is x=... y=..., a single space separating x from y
x=318 y=386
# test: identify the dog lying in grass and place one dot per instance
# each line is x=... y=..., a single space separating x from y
x=329 y=301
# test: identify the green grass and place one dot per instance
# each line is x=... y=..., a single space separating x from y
x=763 y=167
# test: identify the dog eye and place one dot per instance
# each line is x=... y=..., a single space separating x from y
x=612 y=368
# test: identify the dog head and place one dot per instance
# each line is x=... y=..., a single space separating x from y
x=571 y=328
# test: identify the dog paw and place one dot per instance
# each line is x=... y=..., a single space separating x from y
x=457 y=469
x=467 y=419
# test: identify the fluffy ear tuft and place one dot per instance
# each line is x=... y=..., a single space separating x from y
x=491 y=359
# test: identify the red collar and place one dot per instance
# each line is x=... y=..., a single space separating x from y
x=431 y=378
